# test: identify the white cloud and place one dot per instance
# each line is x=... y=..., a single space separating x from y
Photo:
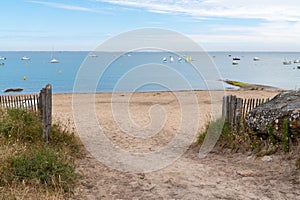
x=65 y=6
x=276 y=24
x=280 y=36
x=270 y=10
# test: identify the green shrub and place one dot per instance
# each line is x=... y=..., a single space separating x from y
x=43 y=166
x=29 y=161
x=212 y=129
x=272 y=137
x=286 y=135
x=21 y=125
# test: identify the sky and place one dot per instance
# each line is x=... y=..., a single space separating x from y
x=216 y=25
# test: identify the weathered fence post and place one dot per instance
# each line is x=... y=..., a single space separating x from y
x=238 y=114
x=46 y=110
x=224 y=109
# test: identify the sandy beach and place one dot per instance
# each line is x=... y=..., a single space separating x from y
x=218 y=176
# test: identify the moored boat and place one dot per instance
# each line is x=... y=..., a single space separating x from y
x=297 y=61
x=236 y=58
x=53 y=60
x=25 y=58
x=235 y=62
x=287 y=62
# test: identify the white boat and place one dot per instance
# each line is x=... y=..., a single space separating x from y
x=25 y=58
x=171 y=59
x=297 y=61
x=179 y=59
x=93 y=55
x=256 y=58
x=285 y=62
x=165 y=59
x=2 y=58
x=235 y=62
x=53 y=60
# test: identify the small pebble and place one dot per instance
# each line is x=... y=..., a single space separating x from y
x=267 y=158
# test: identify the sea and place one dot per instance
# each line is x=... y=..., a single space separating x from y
x=145 y=71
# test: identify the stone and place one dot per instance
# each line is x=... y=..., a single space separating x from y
x=245 y=173
x=285 y=105
x=267 y=158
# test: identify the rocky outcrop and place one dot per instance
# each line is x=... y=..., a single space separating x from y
x=285 y=105
x=13 y=90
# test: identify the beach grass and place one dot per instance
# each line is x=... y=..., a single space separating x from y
x=245 y=141
x=31 y=168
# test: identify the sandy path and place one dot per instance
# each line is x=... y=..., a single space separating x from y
x=218 y=176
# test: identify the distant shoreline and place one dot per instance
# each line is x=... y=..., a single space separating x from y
x=250 y=86
x=247 y=87
x=212 y=51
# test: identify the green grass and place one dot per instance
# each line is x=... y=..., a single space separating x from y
x=286 y=135
x=273 y=138
x=31 y=166
x=211 y=129
x=225 y=138
x=247 y=141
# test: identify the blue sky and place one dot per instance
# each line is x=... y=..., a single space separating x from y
x=222 y=25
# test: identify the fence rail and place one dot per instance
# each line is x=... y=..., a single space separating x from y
x=234 y=109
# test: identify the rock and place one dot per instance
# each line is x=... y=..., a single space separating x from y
x=245 y=173
x=285 y=105
x=13 y=90
x=267 y=158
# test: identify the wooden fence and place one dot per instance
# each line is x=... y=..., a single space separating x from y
x=28 y=102
x=41 y=103
x=234 y=110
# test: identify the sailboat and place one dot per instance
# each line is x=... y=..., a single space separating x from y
x=53 y=60
x=171 y=59
x=287 y=62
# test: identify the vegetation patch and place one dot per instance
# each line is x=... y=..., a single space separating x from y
x=237 y=83
x=31 y=168
x=245 y=141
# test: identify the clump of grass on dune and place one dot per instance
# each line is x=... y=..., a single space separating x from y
x=31 y=168
x=221 y=131
x=245 y=141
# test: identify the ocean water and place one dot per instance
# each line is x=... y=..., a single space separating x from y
x=144 y=71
